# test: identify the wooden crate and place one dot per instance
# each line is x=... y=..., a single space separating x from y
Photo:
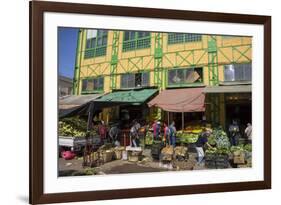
x=239 y=159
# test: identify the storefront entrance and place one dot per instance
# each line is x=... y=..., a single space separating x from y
x=238 y=107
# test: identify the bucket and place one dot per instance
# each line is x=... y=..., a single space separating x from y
x=124 y=155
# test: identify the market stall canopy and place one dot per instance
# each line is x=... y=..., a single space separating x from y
x=135 y=97
x=229 y=89
x=126 y=97
x=180 y=100
x=71 y=102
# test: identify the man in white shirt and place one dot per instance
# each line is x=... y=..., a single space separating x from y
x=248 y=132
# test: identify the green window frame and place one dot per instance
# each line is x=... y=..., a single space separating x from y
x=133 y=80
x=175 y=38
x=181 y=77
x=133 y=40
x=90 y=85
x=96 y=43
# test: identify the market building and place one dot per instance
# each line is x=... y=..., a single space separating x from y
x=206 y=76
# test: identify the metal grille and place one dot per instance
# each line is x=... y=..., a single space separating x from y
x=95 y=43
x=136 y=40
x=174 y=38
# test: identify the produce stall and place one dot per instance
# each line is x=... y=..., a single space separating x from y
x=72 y=134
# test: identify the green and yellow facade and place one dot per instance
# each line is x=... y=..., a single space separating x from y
x=113 y=59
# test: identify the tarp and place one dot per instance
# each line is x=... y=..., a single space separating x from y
x=229 y=89
x=76 y=100
x=180 y=100
x=72 y=102
x=128 y=97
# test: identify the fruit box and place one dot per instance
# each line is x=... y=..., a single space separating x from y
x=239 y=159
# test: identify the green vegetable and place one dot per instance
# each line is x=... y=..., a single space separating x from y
x=73 y=127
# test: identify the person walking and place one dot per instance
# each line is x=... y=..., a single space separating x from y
x=172 y=134
x=248 y=132
x=200 y=143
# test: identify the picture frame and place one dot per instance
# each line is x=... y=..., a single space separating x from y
x=36 y=105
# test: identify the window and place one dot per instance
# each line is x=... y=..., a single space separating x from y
x=133 y=80
x=174 y=38
x=96 y=42
x=185 y=76
x=229 y=36
x=93 y=84
x=136 y=40
x=238 y=72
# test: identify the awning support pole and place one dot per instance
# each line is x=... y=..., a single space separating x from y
x=168 y=118
x=182 y=120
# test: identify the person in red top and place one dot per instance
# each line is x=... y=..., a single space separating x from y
x=102 y=131
x=156 y=130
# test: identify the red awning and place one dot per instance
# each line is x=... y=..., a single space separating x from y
x=180 y=100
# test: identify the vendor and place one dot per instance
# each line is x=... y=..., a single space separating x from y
x=200 y=143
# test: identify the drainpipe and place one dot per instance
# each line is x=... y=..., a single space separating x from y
x=76 y=77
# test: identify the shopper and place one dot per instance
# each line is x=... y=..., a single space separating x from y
x=166 y=134
x=248 y=132
x=172 y=133
x=135 y=142
x=234 y=132
x=113 y=133
x=200 y=143
x=156 y=130
x=102 y=131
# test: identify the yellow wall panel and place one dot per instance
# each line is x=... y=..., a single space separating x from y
x=188 y=54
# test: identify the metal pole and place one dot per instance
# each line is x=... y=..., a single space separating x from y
x=168 y=118
x=182 y=120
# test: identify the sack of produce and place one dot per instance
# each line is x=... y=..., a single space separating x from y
x=168 y=150
x=134 y=156
x=238 y=157
x=95 y=156
x=118 y=152
x=180 y=153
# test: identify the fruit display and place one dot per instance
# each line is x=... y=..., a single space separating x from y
x=187 y=137
x=149 y=138
x=241 y=148
x=193 y=128
x=219 y=138
x=74 y=126
x=248 y=147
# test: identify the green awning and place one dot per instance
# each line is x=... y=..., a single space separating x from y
x=136 y=97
